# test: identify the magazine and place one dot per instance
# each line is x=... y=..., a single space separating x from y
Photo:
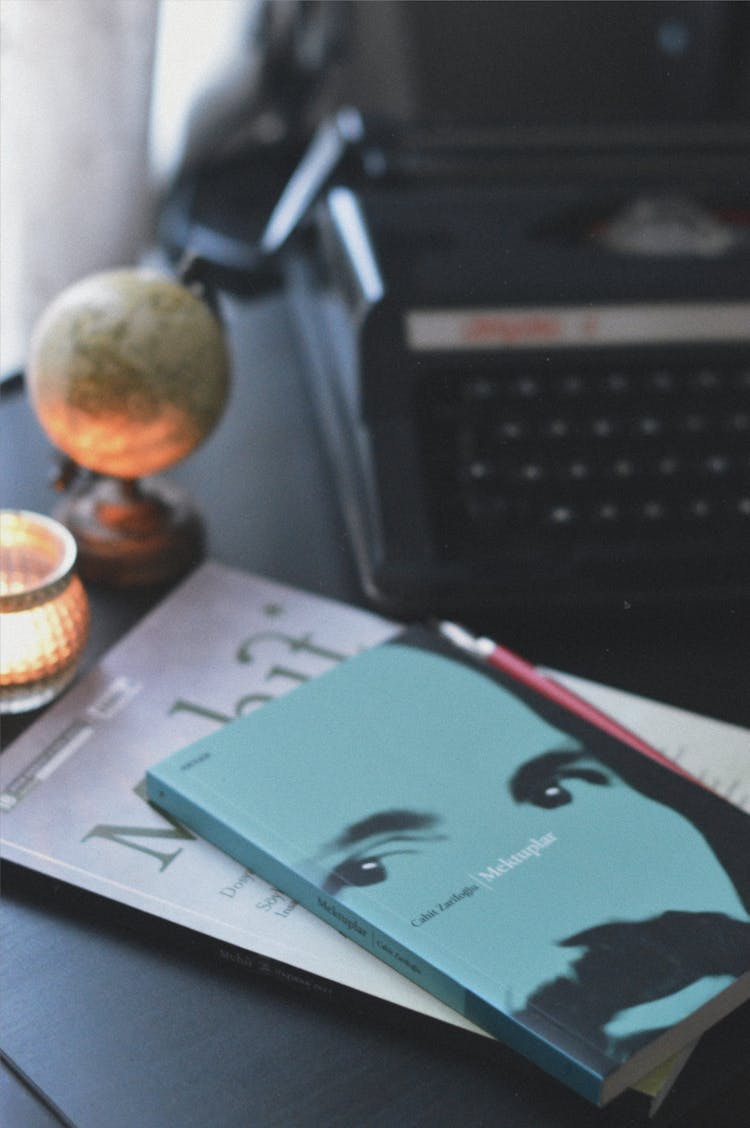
x=72 y=787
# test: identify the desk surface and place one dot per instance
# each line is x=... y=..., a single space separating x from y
x=104 y=1021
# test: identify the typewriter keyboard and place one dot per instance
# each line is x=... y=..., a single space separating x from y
x=628 y=467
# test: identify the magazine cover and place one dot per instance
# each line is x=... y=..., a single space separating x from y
x=73 y=803
x=73 y=807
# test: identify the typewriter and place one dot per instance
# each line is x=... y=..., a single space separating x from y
x=536 y=393
x=529 y=348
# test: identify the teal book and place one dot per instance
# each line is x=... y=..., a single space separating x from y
x=574 y=897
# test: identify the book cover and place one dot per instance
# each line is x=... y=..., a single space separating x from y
x=574 y=898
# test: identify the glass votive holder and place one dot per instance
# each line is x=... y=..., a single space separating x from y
x=44 y=612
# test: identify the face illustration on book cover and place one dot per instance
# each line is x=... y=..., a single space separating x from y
x=613 y=914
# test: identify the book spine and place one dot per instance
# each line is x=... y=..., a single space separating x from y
x=179 y=941
x=220 y=831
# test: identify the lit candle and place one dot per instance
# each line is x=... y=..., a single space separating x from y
x=44 y=612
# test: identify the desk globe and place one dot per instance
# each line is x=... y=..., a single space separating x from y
x=128 y=372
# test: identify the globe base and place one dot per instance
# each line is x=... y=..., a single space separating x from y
x=133 y=533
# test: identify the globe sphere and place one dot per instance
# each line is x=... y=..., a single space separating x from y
x=128 y=372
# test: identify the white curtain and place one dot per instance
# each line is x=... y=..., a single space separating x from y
x=88 y=136
x=76 y=89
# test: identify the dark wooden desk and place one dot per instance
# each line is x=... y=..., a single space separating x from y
x=115 y=1029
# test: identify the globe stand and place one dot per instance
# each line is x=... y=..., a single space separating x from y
x=131 y=533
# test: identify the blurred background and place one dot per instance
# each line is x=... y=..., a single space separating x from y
x=107 y=103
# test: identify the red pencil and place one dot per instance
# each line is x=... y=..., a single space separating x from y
x=503 y=659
